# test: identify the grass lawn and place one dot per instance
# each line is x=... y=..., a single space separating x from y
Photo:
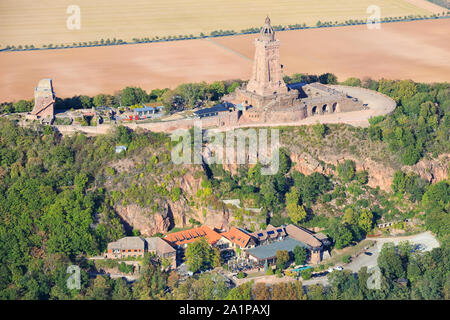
x=255 y=274
x=336 y=255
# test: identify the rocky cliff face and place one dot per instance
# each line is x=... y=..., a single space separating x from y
x=174 y=213
x=380 y=175
x=434 y=170
x=143 y=220
x=178 y=213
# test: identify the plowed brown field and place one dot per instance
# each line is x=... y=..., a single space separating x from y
x=407 y=50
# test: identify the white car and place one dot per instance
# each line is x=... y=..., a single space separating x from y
x=339 y=268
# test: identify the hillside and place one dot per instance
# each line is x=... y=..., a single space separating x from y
x=62 y=199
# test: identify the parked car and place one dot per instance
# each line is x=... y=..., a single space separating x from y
x=367 y=253
x=339 y=268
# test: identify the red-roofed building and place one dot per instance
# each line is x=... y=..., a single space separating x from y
x=239 y=238
x=182 y=238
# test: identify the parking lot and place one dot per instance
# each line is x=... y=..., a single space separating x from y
x=423 y=242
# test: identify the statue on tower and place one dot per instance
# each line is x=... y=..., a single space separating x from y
x=267 y=32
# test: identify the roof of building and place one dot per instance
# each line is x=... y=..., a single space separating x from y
x=128 y=243
x=159 y=245
x=188 y=236
x=103 y=108
x=155 y=104
x=144 y=109
x=319 y=86
x=271 y=232
x=321 y=236
x=267 y=251
x=217 y=108
x=296 y=85
x=237 y=236
x=303 y=235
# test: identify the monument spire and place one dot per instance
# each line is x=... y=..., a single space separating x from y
x=267 y=77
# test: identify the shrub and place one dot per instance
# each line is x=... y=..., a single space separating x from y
x=241 y=275
x=125 y=268
x=326 y=197
x=110 y=171
x=346 y=259
x=346 y=170
x=306 y=274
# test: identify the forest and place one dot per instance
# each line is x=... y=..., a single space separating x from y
x=56 y=211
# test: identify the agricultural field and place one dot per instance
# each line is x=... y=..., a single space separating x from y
x=43 y=22
x=418 y=50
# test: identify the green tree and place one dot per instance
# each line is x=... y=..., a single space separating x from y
x=282 y=259
x=328 y=78
x=350 y=216
x=23 y=106
x=341 y=235
x=199 y=255
x=121 y=290
x=390 y=263
x=344 y=286
x=365 y=220
x=217 y=90
x=346 y=170
x=316 y=292
x=132 y=96
x=100 y=289
x=300 y=255
x=296 y=212
x=319 y=130
x=306 y=274
x=353 y=82
x=99 y=100
x=152 y=280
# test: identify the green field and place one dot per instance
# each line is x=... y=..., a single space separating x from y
x=25 y=22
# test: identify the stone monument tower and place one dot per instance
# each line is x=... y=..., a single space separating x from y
x=267 y=76
x=44 y=99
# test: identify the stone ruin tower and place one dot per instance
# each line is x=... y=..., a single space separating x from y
x=267 y=76
x=44 y=100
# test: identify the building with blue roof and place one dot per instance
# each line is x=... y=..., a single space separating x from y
x=147 y=112
x=268 y=252
x=214 y=111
